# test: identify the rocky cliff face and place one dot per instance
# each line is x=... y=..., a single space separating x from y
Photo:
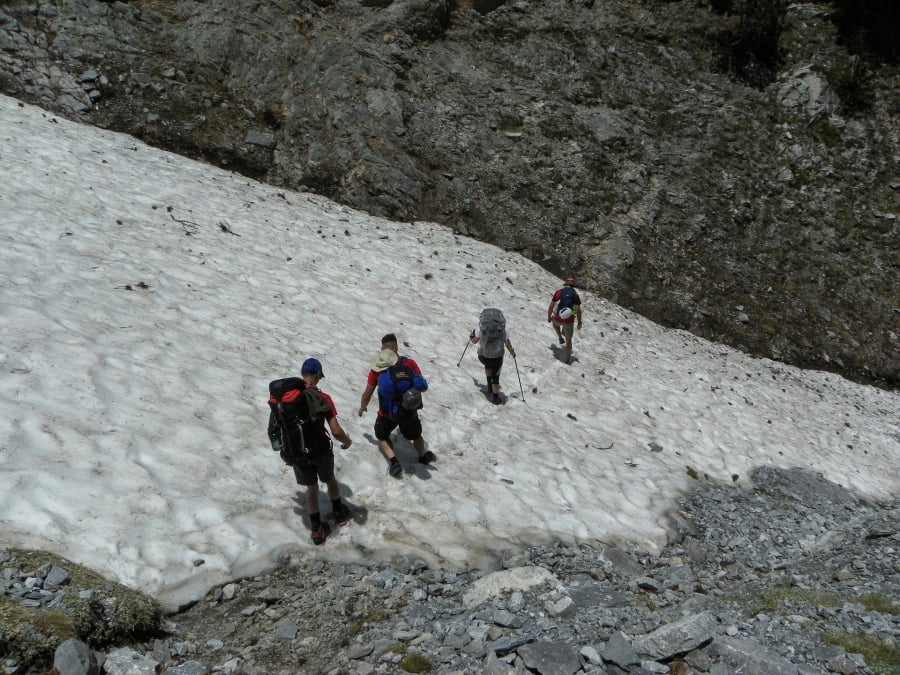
x=600 y=138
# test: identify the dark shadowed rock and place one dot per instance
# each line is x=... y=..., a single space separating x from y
x=550 y=658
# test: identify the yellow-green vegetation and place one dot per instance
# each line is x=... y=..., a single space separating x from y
x=692 y=472
x=877 y=603
x=58 y=626
x=371 y=617
x=415 y=663
x=880 y=658
x=112 y=613
x=780 y=595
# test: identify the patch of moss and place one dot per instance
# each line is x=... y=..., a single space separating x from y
x=23 y=640
x=880 y=658
x=113 y=613
x=776 y=597
x=372 y=617
x=415 y=663
x=692 y=472
x=58 y=626
x=877 y=603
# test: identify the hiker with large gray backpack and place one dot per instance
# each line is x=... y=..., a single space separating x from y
x=492 y=337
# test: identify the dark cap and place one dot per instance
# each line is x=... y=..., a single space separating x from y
x=312 y=367
x=389 y=338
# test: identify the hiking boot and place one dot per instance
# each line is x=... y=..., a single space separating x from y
x=341 y=515
x=568 y=361
x=320 y=532
x=496 y=399
x=562 y=340
x=395 y=470
x=428 y=457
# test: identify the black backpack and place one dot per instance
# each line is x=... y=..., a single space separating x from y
x=493 y=327
x=567 y=297
x=295 y=419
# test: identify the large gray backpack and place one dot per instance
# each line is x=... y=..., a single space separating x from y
x=493 y=327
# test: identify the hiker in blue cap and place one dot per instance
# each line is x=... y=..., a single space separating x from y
x=319 y=466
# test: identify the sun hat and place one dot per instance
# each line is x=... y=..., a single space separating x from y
x=566 y=313
x=385 y=359
x=312 y=367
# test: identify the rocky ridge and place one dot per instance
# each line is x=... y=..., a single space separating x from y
x=603 y=138
x=792 y=574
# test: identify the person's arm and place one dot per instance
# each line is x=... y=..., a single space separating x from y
x=365 y=398
x=473 y=338
x=419 y=382
x=580 y=312
x=550 y=309
x=337 y=431
x=512 y=352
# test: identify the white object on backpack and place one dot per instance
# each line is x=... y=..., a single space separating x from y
x=566 y=313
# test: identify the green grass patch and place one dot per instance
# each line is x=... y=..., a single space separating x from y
x=415 y=663
x=776 y=597
x=880 y=658
x=877 y=603
x=788 y=595
x=113 y=613
x=372 y=617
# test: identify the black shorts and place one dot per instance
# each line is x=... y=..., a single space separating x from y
x=407 y=420
x=494 y=364
x=314 y=467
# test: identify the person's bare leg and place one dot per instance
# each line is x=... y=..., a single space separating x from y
x=312 y=499
x=334 y=490
x=386 y=449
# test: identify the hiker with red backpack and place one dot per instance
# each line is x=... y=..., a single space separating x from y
x=491 y=337
x=297 y=429
x=399 y=383
x=564 y=310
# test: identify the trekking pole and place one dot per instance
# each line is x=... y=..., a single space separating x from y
x=516 y=363
x=468 y=342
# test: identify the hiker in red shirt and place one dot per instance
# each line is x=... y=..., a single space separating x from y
x=564 y=310
x=311 y=372
x=408 y=421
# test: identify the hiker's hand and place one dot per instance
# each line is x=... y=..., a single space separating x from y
x=362 y=411
x=549 y=318
x=513 y=353
x=346 y=443
x=579 y=325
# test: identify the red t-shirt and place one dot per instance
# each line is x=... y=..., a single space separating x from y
x=330 y=415
x=556 y=316
x=372 y=379
x=330 y=403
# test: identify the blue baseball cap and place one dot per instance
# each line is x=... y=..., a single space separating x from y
x=312 y=367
